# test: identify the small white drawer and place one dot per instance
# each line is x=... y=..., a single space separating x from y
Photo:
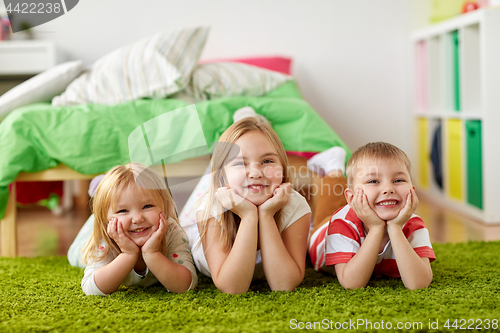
x=26 y=57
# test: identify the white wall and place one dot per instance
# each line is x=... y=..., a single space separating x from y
x=350 y=57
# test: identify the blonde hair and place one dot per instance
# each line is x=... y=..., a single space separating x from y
x=117 y=180
x=223 y=153
x=378 y=151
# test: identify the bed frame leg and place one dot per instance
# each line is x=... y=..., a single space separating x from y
x=8 y=226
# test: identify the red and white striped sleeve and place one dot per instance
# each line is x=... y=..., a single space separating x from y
x=418 y=236
x=343 y=238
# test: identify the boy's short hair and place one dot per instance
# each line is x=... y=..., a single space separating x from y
x=378 y=151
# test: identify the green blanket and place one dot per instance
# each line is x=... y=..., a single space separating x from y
x=92 y=139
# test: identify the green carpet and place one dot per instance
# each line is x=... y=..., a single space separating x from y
x=43 y=294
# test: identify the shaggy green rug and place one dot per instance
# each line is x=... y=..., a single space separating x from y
x=43 y=294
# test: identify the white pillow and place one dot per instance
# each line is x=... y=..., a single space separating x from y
x=40 y=88
x=153 y=67
x=224 y=79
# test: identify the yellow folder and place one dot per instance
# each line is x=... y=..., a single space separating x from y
x=454 y=159
x=423 y=152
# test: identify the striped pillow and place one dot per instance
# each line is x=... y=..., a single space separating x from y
x=154 y=67
x=224 y=79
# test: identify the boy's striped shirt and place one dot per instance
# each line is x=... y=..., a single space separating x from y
x=339 y=240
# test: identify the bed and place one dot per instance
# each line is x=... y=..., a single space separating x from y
x=43 y=141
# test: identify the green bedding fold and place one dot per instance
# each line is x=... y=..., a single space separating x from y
x=92 y=139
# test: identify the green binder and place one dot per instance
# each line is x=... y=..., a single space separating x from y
x=474 y=164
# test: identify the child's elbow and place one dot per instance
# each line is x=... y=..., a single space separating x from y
x=233 y=290
x=285 y=287
x=348 y=286
x=417 y=286
x=177 y=290
x=181 y=287
x=289 y=285
x=422 y=284
x=90 y=288
x=93 y=291
x=230 y=286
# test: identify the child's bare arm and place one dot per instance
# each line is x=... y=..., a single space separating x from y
x=283 y=254
x=232 y=270
x=111 y=276
x=415 y=271
x=357 y=272
x=173 y=276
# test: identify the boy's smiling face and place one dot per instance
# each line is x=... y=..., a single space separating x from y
x=386 y=184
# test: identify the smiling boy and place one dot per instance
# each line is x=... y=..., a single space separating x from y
x=376 y=233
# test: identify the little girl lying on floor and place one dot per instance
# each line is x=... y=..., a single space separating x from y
x=252 y=225
x=136 y=239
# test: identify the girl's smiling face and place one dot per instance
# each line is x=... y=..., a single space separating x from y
x=257 y=170
x=386 y=185
x=137 y=214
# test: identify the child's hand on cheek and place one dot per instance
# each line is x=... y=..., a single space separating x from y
x=231 y=200
x=359 y=203
x=407 y=211
x=153 y=243
x=115 y=231
x=281 y=196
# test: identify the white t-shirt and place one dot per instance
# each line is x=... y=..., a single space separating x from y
x=293 y=210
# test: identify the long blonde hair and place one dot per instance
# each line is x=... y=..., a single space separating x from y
x=223 y=153
x=106 y=195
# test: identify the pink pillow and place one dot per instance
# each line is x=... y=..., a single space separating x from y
x=277 y=64
x=305 y=154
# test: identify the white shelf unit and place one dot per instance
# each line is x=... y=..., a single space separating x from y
x=27 y=57
x=457 y=85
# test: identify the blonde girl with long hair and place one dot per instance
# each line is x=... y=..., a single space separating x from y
x=251 y=224
x=136 y=238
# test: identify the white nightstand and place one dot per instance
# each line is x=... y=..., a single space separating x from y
x=27 y=57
